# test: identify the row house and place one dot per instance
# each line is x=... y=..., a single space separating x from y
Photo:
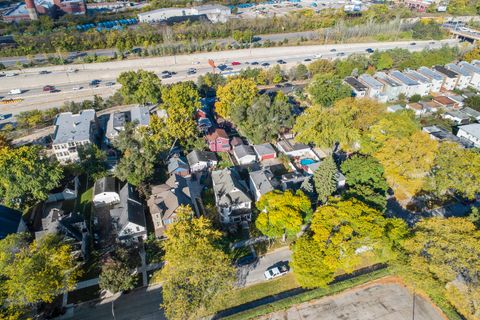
x=375 y=87
x=410 y=86
x=473 y=71
x=450 y=78
x=464 y=77
x=391 y=88
x=425 y=84
x=358 y=88
x=435 y=78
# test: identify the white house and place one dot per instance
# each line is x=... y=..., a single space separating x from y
x=411 y=87
x=294 y=149
x=105 y=192
x=391 y=88
x=450 y=78
x=424 y=83
x=128 y=216
x=456 y=116
x=260 y=183
x=375 y=88
x=201 y=160
x=464 y=77
x=417 y=108
x=471 y=132
x=231 y=197
x=472 y=113
x=473 y=71
x=244 y=154
x=435 y=77
x=358 y=88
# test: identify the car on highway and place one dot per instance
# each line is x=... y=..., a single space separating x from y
x=72 y=70
x=5 y=116
x=196 y=62
x=370 y=50
x=235 y=63
x=340 y=54
x=109 y=84
x=94 y=83
x=191 y=71
x=276 y=271
x=318 y=56
x=281 y=61
x=166 y=76
x=76 y=88
x=413 y=44
x=307 y=60
x=222 y=67
x=48 y=88
x=44 y=72
x=12 y=74
x=254 y=63
x=165 y=72
x=333 y=50
x=432 y=42
x=15 y=91
x=265 y=64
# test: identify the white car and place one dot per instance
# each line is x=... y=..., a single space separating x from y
x=76 y=88
x=318 y=56
x=275 y=272
x=15 y=91
x=71 y=70
x=11 y=74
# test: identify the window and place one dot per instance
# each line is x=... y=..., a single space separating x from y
x=138 y=228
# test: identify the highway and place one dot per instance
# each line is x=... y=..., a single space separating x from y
x=32 y=83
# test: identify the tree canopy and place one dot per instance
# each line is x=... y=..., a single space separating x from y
x=117 y=271
x=345 y=123
x=325 y=89
x=264 y=119
x=341 y=232
x=26 y=176
x=325 y=179
x=235 y=93
x=140 y=86
x=366 y=181
x=197 y=275
x=282 y=213
x=35 y=272
x=92 y=161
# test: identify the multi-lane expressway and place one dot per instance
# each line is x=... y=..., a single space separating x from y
x=32 y=83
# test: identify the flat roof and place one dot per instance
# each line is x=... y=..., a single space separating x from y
x=472 y=129
x=355 y=84
x=417 y=76
x=370 y=81
x=383 y=77
x=445 y=71
x=73 y=127
x=457 y=69
x=469 y=67
x=431 y=73
x=403 y=78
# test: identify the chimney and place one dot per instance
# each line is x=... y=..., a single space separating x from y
x=32 y=10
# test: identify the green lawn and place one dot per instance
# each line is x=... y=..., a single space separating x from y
x=223 y=160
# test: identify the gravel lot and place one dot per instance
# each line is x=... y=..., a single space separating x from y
x=376 y=301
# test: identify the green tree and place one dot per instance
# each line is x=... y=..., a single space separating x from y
x=366 y=181
x=300 y=72
x=385 y=61
x=343 y=232
x=321 y=66
x=140 y=86
x=264 y=119
x=473 y=101
x=345 y=123
x=456 y=170
x=117 y=271
x=198 y=275
x=325 y=89
x=209 y=82
x=354 y=65
x=26 y=176
x=236 y=93
x=35 y=272
x=325 y=179
x=93 y=161
x=443 y=255
x=282 y=213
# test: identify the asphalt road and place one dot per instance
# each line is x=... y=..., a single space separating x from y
x=140 y=304
x=32 y=82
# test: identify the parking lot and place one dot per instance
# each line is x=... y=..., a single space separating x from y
x=376 y=301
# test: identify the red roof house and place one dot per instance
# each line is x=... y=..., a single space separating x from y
x=218 y=141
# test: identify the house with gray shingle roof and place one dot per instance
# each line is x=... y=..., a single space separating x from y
x=231 y=196
x=244 y=154
x=128 y=216
x=118 y=119
x=72 y=131
x=201 y=160
x=261 y=182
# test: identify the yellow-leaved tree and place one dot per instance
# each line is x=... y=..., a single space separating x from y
x=239 y=91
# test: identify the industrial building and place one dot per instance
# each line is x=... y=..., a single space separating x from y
x=214 y=13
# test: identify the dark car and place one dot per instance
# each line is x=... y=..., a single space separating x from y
x=48 y=88
x=340 y=54
x=165 y=72
x=333 y=50
x=5 y=116
x=370 y=50
x=254 y=63
x=222 y=67
x=110 y=84
x=265 y=64
x=281 y=61
x=44 y=72
x=413 y=44
x=245 y=260
x=191 y=71
x=307 y=60
x=166 y=76
x=94 y=83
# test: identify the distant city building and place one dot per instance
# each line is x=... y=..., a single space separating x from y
x=72 y=131
x=214 y=13
x=31 y=9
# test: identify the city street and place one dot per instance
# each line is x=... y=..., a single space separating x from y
x=251 y=274
x=31 y=82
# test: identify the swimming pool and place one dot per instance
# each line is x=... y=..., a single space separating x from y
x=307 y=161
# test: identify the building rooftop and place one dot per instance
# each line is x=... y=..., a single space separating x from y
x=243 y=151
x=197 y=156
x=472 y=129
x=457 y=69
x=431 y=73
x=442 y=134
x=370 y=81
x=470 y=68
x=403 y=78
x=444 y=100
x=471 y=112
x=384 y=78
x=355 y=84
x=262 y=180
x=217 y=133
x=449 y=73
x=130 y=208
x=264 y=149
x=289 y=145
x=417 y=76
x=229 y=188
x=73 y=127
x=118 y=120
x=106 y=184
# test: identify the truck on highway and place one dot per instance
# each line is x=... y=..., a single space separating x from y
x=15 y=91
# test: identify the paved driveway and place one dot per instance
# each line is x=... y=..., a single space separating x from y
x=374 y=302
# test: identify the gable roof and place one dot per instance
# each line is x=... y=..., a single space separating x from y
x=106 y=184
x=177 y=163
x=228 y=188
x=264 y=149
x=197 y=156
x=166 y=198
x=243 y=151
x=261 y=179
x=9 y=221
x=129 y=209
x=56 y=221
x=216 y=134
